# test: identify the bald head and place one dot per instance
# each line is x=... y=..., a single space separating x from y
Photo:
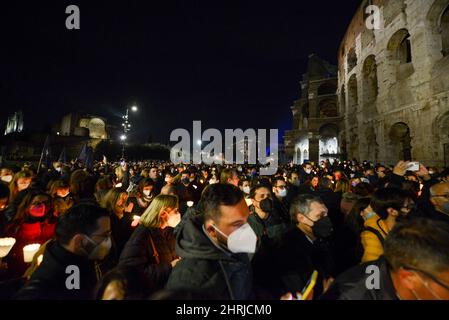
x=439 y=196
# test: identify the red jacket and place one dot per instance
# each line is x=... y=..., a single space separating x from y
x=26 y=233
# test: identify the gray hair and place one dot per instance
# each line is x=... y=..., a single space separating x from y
x=301 y=204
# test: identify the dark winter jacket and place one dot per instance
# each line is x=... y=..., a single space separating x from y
x=352 y=284
x=207 y=268
x=296 y=259
x=151 y=251
x=49 y=281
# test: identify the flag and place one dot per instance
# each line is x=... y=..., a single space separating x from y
x=62 y=157
x=46 y=157
x=89 y=162
x=83 y=154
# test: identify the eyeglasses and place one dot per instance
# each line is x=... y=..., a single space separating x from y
x=429 y=275
x=37 y=203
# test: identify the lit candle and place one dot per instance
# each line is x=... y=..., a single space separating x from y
x=29 y=251
x=6 y=245
x=249 y=202
x=189 y=203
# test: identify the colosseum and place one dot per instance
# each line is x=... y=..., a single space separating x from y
x=393 y=87
x=393 y=83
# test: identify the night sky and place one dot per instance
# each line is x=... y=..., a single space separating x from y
x=231 y=64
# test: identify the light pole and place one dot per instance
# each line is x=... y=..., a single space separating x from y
x=126 y=127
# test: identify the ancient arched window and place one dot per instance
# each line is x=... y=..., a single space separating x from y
x=444 y=28
x=352 y=59
x=327 y=88
x=343 y=100
x=400 y=46
x=327 y=108
x=352 y=94
x=369 y=85
x=401 y=141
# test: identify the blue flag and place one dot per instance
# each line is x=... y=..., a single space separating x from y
x=46 y=157
x=62 y=157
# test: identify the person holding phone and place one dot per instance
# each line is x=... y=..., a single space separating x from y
x=304 y=248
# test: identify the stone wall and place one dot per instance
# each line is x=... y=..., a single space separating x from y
x=396 y=98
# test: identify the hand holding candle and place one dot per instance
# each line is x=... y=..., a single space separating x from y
x=29 y=251
x=6 y=245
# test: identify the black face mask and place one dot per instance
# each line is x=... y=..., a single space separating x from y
x=185 y=180
x=266 y=205
x=322 y=228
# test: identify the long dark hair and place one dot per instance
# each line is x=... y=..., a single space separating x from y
x=22 y=209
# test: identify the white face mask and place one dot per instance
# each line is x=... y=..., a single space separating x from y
x=212 y=181
x=146 y=192
x=246 y=189
x=174 y=220
x=282 y=193
x=101 y=249
x=242 y=240
x=7 y=178
x=308 y=171
x=58 y=169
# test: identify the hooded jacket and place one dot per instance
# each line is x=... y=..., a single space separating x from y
x=208 y=269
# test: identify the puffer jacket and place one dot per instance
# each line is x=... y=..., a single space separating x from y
x=372 y=244
x=207 y=269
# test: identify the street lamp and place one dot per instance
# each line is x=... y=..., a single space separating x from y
x=126 y=127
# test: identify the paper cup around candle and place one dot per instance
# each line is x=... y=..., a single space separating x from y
x=249 y=202
x=29 y=251
x=136 y=218
x=6 y=245
x=190 y=203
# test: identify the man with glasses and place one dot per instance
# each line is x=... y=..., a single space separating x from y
x=69 y=269
x=439 y=197
x=415 y=266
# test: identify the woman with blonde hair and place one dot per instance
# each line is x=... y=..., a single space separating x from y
x=151 y=247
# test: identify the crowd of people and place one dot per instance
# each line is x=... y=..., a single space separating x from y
x=155 y=230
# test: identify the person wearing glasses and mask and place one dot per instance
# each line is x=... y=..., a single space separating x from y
x=414 y=266
x=439 y=198
x=83 y=238
x=303 y=248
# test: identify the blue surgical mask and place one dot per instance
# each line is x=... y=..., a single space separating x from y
x=445 y=207
x=369 y=215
